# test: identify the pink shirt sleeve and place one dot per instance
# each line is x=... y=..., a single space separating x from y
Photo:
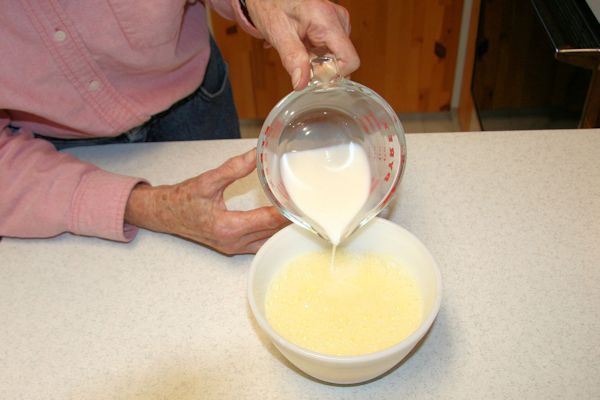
x=44 y=192
x=74 y=71
x=231 y=9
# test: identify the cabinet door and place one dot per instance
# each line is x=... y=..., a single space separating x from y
x=407 y=48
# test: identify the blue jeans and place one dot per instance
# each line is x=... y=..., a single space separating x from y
x=208 y=113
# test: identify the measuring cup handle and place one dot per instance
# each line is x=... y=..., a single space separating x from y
x=324 y=70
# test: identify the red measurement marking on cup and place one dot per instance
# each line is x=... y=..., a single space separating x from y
x=371 y=123
x=268 y=130
x=390 y=138
x=391 y=165
x=390 y=194
x=385 y=125
x=368 y=122
x=372 y=115
x=392 y=151
x=387 y=177
x=363 y=126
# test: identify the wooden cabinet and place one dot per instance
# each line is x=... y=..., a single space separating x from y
x=408 y=51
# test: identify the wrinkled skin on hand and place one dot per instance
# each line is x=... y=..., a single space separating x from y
x=296 y=27
x=195 y=209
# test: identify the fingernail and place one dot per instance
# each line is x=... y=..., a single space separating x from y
x=296 y=75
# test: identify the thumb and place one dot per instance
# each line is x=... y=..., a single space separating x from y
x=231 y=170
x=293 y=53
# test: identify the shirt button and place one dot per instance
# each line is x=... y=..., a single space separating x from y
x=60 y=36
x=93 y=85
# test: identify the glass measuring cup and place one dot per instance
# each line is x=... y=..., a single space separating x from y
x=332 y=111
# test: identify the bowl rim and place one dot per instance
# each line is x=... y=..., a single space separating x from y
x=406 y=343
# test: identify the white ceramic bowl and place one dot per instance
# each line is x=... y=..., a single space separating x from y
x=378 y=236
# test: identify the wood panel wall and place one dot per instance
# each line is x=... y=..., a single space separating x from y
x=408 y=52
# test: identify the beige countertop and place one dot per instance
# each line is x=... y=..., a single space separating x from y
x=513 y=219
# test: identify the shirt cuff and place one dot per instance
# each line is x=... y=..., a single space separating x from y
x=243 y=21
x=98 y=207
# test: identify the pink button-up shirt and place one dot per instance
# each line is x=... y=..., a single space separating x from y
x=82 y=69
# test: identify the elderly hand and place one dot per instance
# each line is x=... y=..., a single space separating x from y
x=295 y=27
x=195 y=209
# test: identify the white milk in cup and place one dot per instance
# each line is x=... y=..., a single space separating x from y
x=330 y=156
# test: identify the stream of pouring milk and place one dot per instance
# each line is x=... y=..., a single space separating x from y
x=330 y=185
